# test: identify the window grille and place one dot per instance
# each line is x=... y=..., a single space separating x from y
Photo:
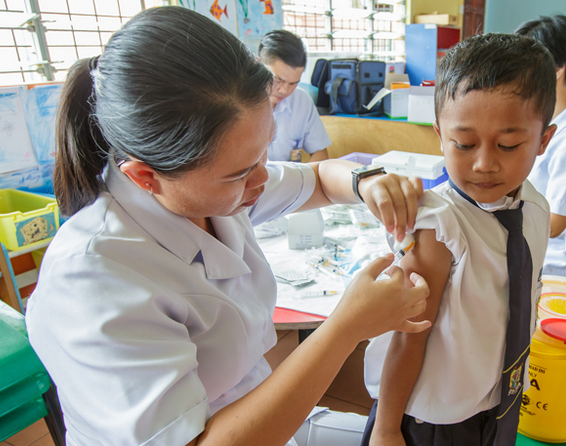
x=41 y=39
x=374 y=28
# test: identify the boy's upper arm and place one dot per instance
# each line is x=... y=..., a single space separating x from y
x=432 y=260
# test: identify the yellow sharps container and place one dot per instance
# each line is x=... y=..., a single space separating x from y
x=543 y=410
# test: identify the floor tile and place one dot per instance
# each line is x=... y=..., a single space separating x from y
x=29 y=434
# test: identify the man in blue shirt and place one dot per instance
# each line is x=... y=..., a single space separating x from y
x=298 y=124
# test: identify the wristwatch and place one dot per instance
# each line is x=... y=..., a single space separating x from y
x=363 y=172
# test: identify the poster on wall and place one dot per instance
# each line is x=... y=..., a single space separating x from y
x=221 y=11
x=27 y=136
x=256 y=18
x=16 y=149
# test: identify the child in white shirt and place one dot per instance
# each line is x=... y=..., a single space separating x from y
x=494 y=101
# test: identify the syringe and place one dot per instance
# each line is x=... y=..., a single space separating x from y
x=400 y=250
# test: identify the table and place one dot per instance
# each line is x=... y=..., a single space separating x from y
x=281 y=258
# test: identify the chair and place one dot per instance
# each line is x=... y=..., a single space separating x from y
x=26 y=391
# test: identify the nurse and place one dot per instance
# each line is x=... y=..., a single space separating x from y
x=297 y=123
x=549 y=171
x=154 y=305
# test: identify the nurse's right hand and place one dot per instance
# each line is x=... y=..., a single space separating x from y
x=372 y=307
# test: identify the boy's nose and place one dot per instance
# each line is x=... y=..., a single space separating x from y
x=485 y=161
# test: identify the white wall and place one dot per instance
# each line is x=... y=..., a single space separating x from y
x=506 y=15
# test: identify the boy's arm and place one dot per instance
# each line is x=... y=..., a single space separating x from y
x=405 y=356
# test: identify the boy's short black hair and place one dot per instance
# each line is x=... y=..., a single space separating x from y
x=488 y=61
x=551 y=32
x=283 y=45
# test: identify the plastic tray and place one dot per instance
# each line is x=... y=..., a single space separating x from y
x=27 y=219
x=360 y=157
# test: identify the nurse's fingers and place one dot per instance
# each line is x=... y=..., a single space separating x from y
x=375 y=268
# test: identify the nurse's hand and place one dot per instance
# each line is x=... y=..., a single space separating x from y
x=393 y=200
x=372 y=307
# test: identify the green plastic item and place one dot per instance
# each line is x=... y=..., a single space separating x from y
x=23 y=379
x=526 y=441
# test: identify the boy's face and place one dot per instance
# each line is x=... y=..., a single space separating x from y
x=490 y=140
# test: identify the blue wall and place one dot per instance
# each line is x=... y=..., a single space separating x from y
x=505 y=16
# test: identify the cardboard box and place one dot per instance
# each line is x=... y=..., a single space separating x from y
x=421 y=105
x=396 y=104
x=439 y=19
x=395 y=67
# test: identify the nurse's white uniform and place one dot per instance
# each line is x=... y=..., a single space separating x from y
x=146 y=323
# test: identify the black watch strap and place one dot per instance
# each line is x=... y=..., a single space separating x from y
x=363 y=172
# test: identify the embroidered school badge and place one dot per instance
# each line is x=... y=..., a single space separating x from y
x=515 y=380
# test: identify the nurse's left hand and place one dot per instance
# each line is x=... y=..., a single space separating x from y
x=393 y=199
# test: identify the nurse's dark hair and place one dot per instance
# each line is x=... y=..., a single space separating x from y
x=167 y=87
x=551 y=32
x=282 y=45
x=485 y=62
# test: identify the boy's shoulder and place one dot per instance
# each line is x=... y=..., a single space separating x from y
x=529 y=194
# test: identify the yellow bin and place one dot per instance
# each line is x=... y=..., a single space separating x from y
x=543 y=410
x=552 y=305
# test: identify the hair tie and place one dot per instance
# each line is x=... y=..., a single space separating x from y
x=93 y=63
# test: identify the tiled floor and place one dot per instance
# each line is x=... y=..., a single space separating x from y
x=347 y=393
x=35 y=435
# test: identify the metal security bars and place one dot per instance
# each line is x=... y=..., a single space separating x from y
x=41 y=39
x=375 y=28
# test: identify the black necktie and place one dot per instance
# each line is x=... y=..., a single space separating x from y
x=518 y=337
x=520 y=268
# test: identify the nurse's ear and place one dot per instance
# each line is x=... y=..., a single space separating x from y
x=142 y=175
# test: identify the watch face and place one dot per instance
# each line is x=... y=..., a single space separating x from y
x=369 y=170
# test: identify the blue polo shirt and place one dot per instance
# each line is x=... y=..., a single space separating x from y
x=297 y=126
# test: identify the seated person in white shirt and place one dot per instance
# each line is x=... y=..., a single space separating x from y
x=548 y=173
x=298 y=125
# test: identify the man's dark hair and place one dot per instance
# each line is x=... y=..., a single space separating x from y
x=551 y=32
x=282 y=45
x=488 y=61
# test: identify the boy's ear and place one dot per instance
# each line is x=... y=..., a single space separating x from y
x=141 y=174
x=437 y=130
x=546 y=137
x=560 y=73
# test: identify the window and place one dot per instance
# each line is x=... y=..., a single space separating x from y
x=41 y=39
x=374 y=28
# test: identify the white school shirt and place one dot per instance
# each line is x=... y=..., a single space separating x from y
x=146 y=323
x=549 y=178
x=297 y=126
x=464 y=354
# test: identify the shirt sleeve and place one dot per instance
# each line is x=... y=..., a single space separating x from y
x=556 y=190
x=315 y=137
x=120 y=354
x=437 y=213
x=289 y=186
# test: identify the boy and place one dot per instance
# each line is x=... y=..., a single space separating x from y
x=298 y=124
x=494 y=100
x=548 y=172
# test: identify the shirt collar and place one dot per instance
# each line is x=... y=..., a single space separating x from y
x=526 y=192
x=560 y=121
x=284 y=106
x=503 y=203
x=178 y=234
